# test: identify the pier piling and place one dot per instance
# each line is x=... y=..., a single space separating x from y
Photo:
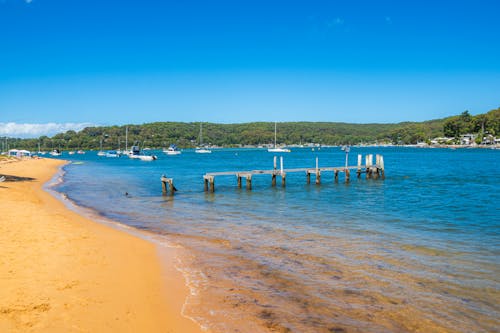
x=167 y=185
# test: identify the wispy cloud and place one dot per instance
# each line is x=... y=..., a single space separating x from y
x=35 y=130
x=28 y=1
x=388 y=20
x=335 y=22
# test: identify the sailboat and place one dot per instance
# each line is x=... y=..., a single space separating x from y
x=201 y=149
x=276 y=149
x=101 y=152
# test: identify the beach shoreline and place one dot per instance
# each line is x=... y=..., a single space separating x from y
x=63 y=272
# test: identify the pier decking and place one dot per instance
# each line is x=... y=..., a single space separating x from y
x=369 y=168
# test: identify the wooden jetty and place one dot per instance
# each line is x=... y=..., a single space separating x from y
x=372 y=170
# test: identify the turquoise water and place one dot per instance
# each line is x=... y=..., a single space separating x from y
x=418 y=251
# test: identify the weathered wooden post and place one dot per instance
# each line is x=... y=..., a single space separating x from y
x=274 y=160
x=283 y=179
x=359 y=165
x=163 y=184
x=172 y=187
x=369 y=161
x=170 y=182
x=212 y=184
x=318 y=173
x=336 y=176
x=347 y=175
x=249 y=182
x=382 y=166
x=209 y=181
x=308 y=177
x=239 y=180
x=273 y=181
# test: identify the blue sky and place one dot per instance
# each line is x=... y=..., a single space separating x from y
x=117 y=62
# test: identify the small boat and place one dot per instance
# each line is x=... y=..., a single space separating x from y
x=55 y=152
x=112 y=153
x=202 y=149
x=172 y=150
x=80 y=152
x=276 y=149
x=101 y=152
x=71 y=152
x=137 y=154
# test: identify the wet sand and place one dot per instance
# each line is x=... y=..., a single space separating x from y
x=61 y=272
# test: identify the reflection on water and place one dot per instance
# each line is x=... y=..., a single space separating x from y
x=416 y=252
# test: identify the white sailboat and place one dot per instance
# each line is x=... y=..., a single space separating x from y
x=276 y=149
x=101 y=152
x=201 y=149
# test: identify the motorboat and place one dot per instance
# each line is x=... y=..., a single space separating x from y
x=172 y=150
x=202 y=150
x=55 y=152
x=137 y=154
x=112 y=153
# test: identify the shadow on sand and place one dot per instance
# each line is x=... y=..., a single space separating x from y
x=9 y=178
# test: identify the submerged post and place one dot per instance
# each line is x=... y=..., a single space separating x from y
x=239 y=180
x=308 y=177
x=273 y=181
x=283 y=179
x=336 y=176
x=347 y=175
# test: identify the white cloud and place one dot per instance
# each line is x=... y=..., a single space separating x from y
x=335 y=22
x=16 y=130
x=28 y=1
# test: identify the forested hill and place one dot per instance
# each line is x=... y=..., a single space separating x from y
x=162 y=134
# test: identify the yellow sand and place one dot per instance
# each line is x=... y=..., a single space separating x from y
x=61 y=272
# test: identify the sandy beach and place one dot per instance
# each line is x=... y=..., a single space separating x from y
x=62 y=272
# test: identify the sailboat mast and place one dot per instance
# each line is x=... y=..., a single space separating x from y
x=275 y=134
x=201 y=134
x=126 y=138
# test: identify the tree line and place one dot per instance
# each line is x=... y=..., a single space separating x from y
x=186 y=135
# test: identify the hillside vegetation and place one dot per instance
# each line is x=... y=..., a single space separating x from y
x=162 y=134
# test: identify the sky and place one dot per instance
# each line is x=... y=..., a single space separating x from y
x=67 y=64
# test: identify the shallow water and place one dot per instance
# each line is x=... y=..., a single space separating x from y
x=418 y=251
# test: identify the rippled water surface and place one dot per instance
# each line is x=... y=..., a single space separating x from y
x=418 y=251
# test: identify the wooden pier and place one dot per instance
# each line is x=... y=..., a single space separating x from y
x=372 y=170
